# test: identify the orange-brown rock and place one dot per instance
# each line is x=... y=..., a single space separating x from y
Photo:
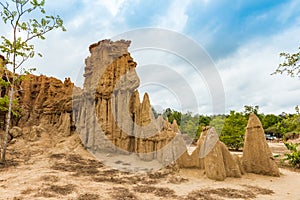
x=175 y=127
x=231 y=164
x=257 y=156
x=110 y=111
x=214 y=165
x=2 y=61
x=44 y=101
x=193 y=160
x=211 y=155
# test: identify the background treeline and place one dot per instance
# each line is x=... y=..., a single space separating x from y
x=231 y=127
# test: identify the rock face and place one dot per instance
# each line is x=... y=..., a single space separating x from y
x=45 y=102
x=194 y=160
x=219 y=163
x=213 y=156
x=1 y=60
x=109 y=114
x=257 y=156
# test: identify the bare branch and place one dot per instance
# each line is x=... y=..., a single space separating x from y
x=17 y=7
x=24 y=59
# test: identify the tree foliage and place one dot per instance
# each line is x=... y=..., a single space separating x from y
x=218 y=122
x=294 y=156
x=232 y=127
x=172 y=115
x=290 y=64
x=234 y=130
x=16 y=110
x=189 y=124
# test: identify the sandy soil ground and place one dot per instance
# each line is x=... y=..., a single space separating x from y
x=45 y=169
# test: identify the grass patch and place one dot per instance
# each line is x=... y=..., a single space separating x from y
x=62 y=190
x=88 y=196
x=122 y=193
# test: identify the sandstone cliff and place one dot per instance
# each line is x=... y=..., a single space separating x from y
x=109 y=114
x=44 y=102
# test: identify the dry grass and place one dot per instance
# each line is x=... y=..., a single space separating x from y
x=144 y=189
x=250 y=192
x=157 y=191
x=122 y=193
x=58 y=156
x=76 y=164
x=28 y=191
x=49 y=178
x=8 y=164
x=60 y=189
x=199 y=195
x=232 y=193
x=259 y=190
x=109 y=179
x=88 y=196
x=45 y=194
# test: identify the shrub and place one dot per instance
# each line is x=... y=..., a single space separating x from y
x=294 y=156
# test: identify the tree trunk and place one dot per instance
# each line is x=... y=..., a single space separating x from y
x=3 y=153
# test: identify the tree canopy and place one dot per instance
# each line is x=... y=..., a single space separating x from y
x=232 y=127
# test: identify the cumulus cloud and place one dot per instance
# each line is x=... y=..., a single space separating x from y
x=175 y=18
x=86 y=22
x=245 y=46
x=246 y=75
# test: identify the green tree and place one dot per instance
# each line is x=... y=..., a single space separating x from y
x=234 y=130
x=297 y=109
x=218 y=122
x=289 y=126
x=27 y=19
x=203 y=121
x=189 y=124
x=270 y=120
x=251 y=109
x=172 y=114
x=270 y=124
x=290 y=64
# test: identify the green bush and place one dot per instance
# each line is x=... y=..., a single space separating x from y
x=294 y=156
x=234 y=130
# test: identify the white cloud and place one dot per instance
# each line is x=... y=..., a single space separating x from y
x=65 y=52
x=245 y=74
x=247 y=80
x=175 y=18
x=112 y=5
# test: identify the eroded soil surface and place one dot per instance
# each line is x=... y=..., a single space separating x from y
x=45 y=169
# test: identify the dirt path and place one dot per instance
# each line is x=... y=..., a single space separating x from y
x=64 y=170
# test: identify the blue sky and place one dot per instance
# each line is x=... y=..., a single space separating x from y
x=242 y=37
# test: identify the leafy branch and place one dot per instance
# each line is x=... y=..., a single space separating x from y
x=290 y=65
x=18 y=47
